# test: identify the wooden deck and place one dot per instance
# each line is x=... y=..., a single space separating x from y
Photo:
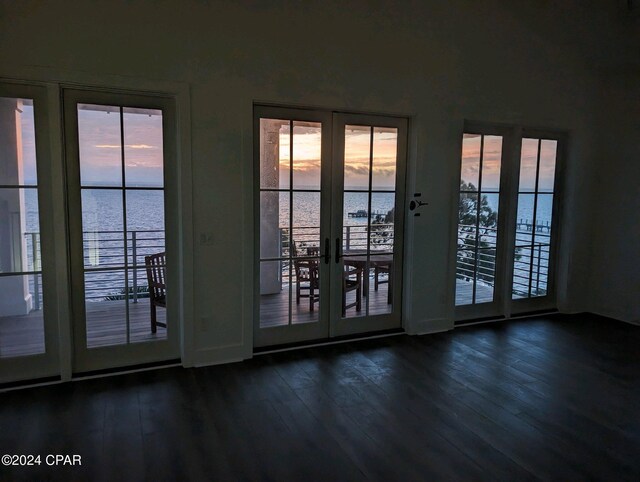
x=106 y=325
x=274 y=310
x=464 y=293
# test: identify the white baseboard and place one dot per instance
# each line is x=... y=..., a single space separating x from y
x=616 y=315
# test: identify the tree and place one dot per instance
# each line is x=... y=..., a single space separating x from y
x=476 y=224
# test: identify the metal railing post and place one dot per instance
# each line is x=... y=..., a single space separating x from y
x=134 y=251
x=35 y=261
x=538 y=274
x=348 y=238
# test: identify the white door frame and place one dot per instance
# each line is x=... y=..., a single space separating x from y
x=86 y=360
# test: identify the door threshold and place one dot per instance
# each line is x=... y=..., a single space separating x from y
x=143 y=367
x=265 y=350
x=492 y=319
x=31 y=383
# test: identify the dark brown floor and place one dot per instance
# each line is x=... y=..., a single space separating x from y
x=553 y=398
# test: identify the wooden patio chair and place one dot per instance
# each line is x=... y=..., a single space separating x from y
x=307 y=278
x=351 y=281
x=155 y=265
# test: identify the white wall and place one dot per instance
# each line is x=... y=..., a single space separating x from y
x=527 y=63
x=614 y=282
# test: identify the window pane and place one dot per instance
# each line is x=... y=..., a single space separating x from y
x=379 y=284
x=528 y=165
x=274 y=293
x=307 y=143
x=306 y=221
x=102 y=228
x=21 y=316
x=491 y=163
x=140 y=309
x=382 y=221
x=470 y=174
x=105 y=304
x=355 y=218
x=385 y=152
x=17 y=142
x=143 y=147
x=274 y=224
x=100 y=145
x=19 y=230
x=547 y=174
x=274 y=154
x=357 y=151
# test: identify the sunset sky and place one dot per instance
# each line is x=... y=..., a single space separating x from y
x=306 y=157
x=491 y=162
x=100 y=147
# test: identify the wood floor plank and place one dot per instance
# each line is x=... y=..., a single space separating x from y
x=547 y=398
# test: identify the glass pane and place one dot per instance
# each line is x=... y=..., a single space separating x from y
x=274 y=224
x=306 y=222
x=143 y=152
x=385 y=153
x=491 y=162
x=382 y=221
x=524 y=218
x=305 y=300
x=307 y=143
x=544 y=211
x=465 y=266
x=357 y=152
x=21 y=316
x=19 y=230
x=17 y=142
x=467 y=212
x=548 y=150
x=540 y=268
x=354 y=275
x=470 y=162
x=521 y=270
x=355 y=218
x=274 y=293
x=274 y=154
x=528 y=165
x=100 y=145
x=145 y=224
x=103 y=228
x=141 y=310
x=379 y=284
x=524 y=237
x=105 y=296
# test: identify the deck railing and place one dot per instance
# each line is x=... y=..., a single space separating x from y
x=530 y=273
x=104 y=262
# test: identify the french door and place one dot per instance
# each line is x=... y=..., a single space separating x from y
x=28 y=298
x=508 y=212
x=120 y=158
x=329 y=218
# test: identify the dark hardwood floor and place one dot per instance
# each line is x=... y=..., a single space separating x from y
x=547 y=398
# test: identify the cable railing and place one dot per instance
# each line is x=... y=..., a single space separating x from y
x=107 y=255
x=531 y=264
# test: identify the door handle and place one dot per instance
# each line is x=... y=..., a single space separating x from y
x=338 y=255
x=327 y=251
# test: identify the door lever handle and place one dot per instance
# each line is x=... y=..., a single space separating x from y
x=327 y=251
x=338 y=255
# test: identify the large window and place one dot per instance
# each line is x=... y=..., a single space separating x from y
x=478 y=205
x=534 y=219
